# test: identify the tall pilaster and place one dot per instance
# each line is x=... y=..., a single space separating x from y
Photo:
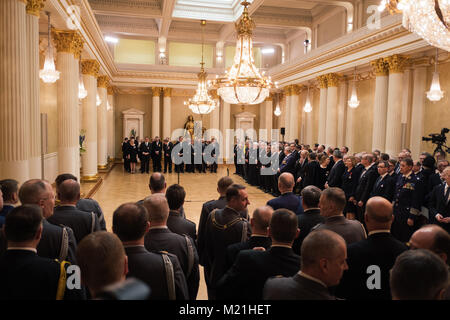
x=381 y=70
x=90 y=69
x=110 y=124
x=293 y=119
x=287 y=115
x=396 y=65
x=68 y=45
x=332 y=101
x=215 y=114
x=155 y=112
x=102 y=123
x=342 y=106
x=268 y=118
x=226 y=137
x=322 y=80
x=14 y=130
x=417 y=112
x=167 y=107
x=349 y=128
x=33 y=9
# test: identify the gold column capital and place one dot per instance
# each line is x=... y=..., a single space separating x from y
x=110 y=89
x=167 y=92
x=34 y=7
x=214 y=94
x=156 y=91
x=397 y=63
x=333 y=80
x=90 y=67
x=380 y=67
x=269 y=98
x=323 y=81
x=288 y=90
x=68 y=41
x=102 y=82
x=297 y=89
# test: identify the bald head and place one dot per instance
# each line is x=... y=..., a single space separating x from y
x=32 y=191
x=157 y=183
x=69 y=192
x=286 y=182
x=261 y=219
x=157 y=208
x=433 y=238
x=378 y=214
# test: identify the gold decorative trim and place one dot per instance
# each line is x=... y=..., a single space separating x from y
x=380 y=67
x=214 y=94
x=156 y=92
x=397 y=63
x=34 y=7
x=90 y=67
x=297 y=89
x=93 y=178
x=103 y=167
x=288 y=90
x=68 y=41
x=333 y=80
x=102 y=82
x=110 y=90
x=167 y=92
x=323 y=81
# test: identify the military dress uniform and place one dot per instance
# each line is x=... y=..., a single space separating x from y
x=407 y=204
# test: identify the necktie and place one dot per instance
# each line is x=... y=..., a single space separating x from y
x=447 y=194
x=378 y=182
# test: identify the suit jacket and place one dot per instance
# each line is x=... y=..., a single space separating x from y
x=384 y=188
x=295 y=288
x=226 y=228
x=288 y=164
x=145 y=148
x=79 y=221
x=51 y=242
x=246 y=278
x=289 y=201
x=438 y=204
x=300 y=168
x=380 y=249
x=176 y=223
x=26 y=276
x=306 y=222
x=167 y=148
x=149 y=268
x=350 y=230
x=6 y=209
x=366 y=182
x=311 y=175
x=156 y=146
x=91 y=205
x=335 y=176
x=165 y=240
x=254 y=241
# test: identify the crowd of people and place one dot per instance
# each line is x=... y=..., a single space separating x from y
x=341 y=226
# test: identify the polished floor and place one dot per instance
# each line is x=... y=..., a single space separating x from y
x=121 y=187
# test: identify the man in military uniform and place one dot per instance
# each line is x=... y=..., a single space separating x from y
x=407 y=202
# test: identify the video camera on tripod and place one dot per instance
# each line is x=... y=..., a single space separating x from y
x=439 y=139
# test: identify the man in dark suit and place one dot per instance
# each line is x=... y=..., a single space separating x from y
x=300 y=167
x=126 y=161
x=370 y=260
x=57 y=242
x=440 y=202
x=311 y=216
x=332 y=203
x=384 y=185
x=336 y=172
x=9 y=190
x=167 y=149
x=175 y=196
x=366 y=182
x=179 y=145
x=287 y=200
x=259 y=238
x=160 y=238
x=82 y=223
x=223 y=228
x=246 y=278
x=156 y=153
x=23 y=274
x=160 y=271
x=320 y=250
x=288 y=163
x=145 y=151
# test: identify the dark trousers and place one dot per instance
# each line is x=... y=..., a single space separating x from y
x=168 y=163
x=145 y=164
x=126 y=164
x=179 y=168
x=156 y=164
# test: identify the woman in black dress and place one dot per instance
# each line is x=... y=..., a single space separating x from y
x=322 y=173
x=349 y=183
x=132 y=155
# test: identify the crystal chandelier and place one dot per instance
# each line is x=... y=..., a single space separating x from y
x=242 y=83
x=82 y=92
x=354 y=102
x=201 y=103
x=435 y=94
x=49 y=73
x=430 y=19
x=307 y=108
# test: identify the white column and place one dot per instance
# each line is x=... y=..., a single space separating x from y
x=102 y=129
x=393 y=128
x=380 y=104
x=332 y=101
x=268 y=110
x=69 y=45
x=155 y=112
x=322 y=109
x=294 y=113
x=287 y=114
x=14 y=131
x=342 y=106
x=90 y=70
x=406 y=105
x=349 y=129
x=32 y=24
x=167 y=112
x=110 y=125
x=224 y=146
x=417 y=113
